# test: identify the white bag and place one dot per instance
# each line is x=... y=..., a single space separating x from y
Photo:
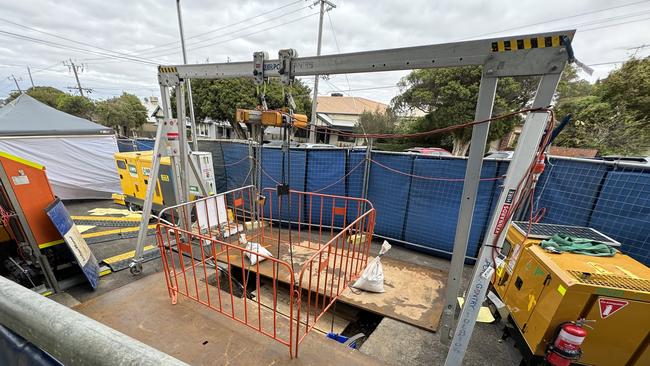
x=372 y=278
x=254 y=247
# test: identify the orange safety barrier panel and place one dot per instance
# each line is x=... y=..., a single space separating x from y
x=294 y=264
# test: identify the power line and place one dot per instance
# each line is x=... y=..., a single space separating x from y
x=72 y=48
x=558 y=19
x=138 y=52
x=64 y=38
x=241 y=36
x=614 y=25
x=156 y=50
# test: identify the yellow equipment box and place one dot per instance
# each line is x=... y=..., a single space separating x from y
x=545 y=290
x=521 y=235
x=134 y=169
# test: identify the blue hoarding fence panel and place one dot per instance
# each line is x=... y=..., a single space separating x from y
x=423 y=212
x=623 y=212
x=434 y=203
x=569 y=190
x=388 y=190
x=272 y=164
x=326 y=172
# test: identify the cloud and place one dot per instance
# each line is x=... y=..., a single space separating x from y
x=137 y=27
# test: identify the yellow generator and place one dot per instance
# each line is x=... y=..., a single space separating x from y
x=543 y=291
x=134 y=169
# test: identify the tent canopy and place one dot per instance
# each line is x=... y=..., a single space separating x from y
x=26 y=116
x=77 y=153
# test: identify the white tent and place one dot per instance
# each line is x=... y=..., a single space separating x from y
x=77 y=153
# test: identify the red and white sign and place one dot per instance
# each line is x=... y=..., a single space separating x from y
x=610 y=306
x=501 y=222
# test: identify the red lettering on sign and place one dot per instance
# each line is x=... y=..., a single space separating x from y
x=502 y=218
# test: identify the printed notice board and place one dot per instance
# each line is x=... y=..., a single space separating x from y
x=72 y=237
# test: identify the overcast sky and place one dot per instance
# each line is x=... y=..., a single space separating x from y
x=146 y=32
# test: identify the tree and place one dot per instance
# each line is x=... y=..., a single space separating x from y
x=218 y=99
x=76 y=105
x=44 y=94
x=613 y=115
x=377 y=122
x=124 y=113
x=449 y=96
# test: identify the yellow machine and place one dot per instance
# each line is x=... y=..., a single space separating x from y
x=271 y=118
x=134 y=169
x=543 y=290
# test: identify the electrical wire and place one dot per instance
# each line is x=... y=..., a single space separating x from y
x=72 y=48
x=159 y=46
x=332 y=131
x=192 y=45
x=69 y=39
x=247 y=34
x=558 y=19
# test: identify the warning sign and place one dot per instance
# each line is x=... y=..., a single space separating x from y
x=610 y=306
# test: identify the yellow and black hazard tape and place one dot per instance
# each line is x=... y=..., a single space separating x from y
x=527 y=43
x=167 y=69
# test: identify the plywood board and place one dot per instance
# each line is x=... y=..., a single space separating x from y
x=414 y=294
x=198 y=335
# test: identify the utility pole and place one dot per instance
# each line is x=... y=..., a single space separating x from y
x=16 y=81
x=75 y=69
x=314 y=103
x=188 y=82
x=30 y=76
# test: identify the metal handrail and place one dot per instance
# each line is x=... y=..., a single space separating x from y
x=68 y=336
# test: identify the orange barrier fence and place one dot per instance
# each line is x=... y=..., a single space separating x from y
x=301 y=251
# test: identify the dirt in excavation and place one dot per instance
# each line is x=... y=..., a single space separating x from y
x=366 y=323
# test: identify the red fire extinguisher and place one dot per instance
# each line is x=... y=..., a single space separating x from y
x=567 y=344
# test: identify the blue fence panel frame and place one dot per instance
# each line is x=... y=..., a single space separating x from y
x=434 y=204
x=569 y=190
x=623 y=212
x=326 y=174
x=218 y=163
x=272 y=166
x=144 y=144
x=126 y=145
x=238 y=169
x=391 y=204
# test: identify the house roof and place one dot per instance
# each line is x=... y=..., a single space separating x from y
x=348 y=105
x=26 y=116
x=342 y=124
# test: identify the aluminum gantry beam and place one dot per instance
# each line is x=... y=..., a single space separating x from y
x=525 y=55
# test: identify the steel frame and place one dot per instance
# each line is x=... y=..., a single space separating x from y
x=543 y=54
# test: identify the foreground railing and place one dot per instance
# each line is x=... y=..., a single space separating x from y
x=313 y=244
x=68 y=336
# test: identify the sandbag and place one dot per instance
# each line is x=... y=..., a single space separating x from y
x=254 y=247
x=372 y=278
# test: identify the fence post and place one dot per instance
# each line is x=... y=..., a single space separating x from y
x=366 y=171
